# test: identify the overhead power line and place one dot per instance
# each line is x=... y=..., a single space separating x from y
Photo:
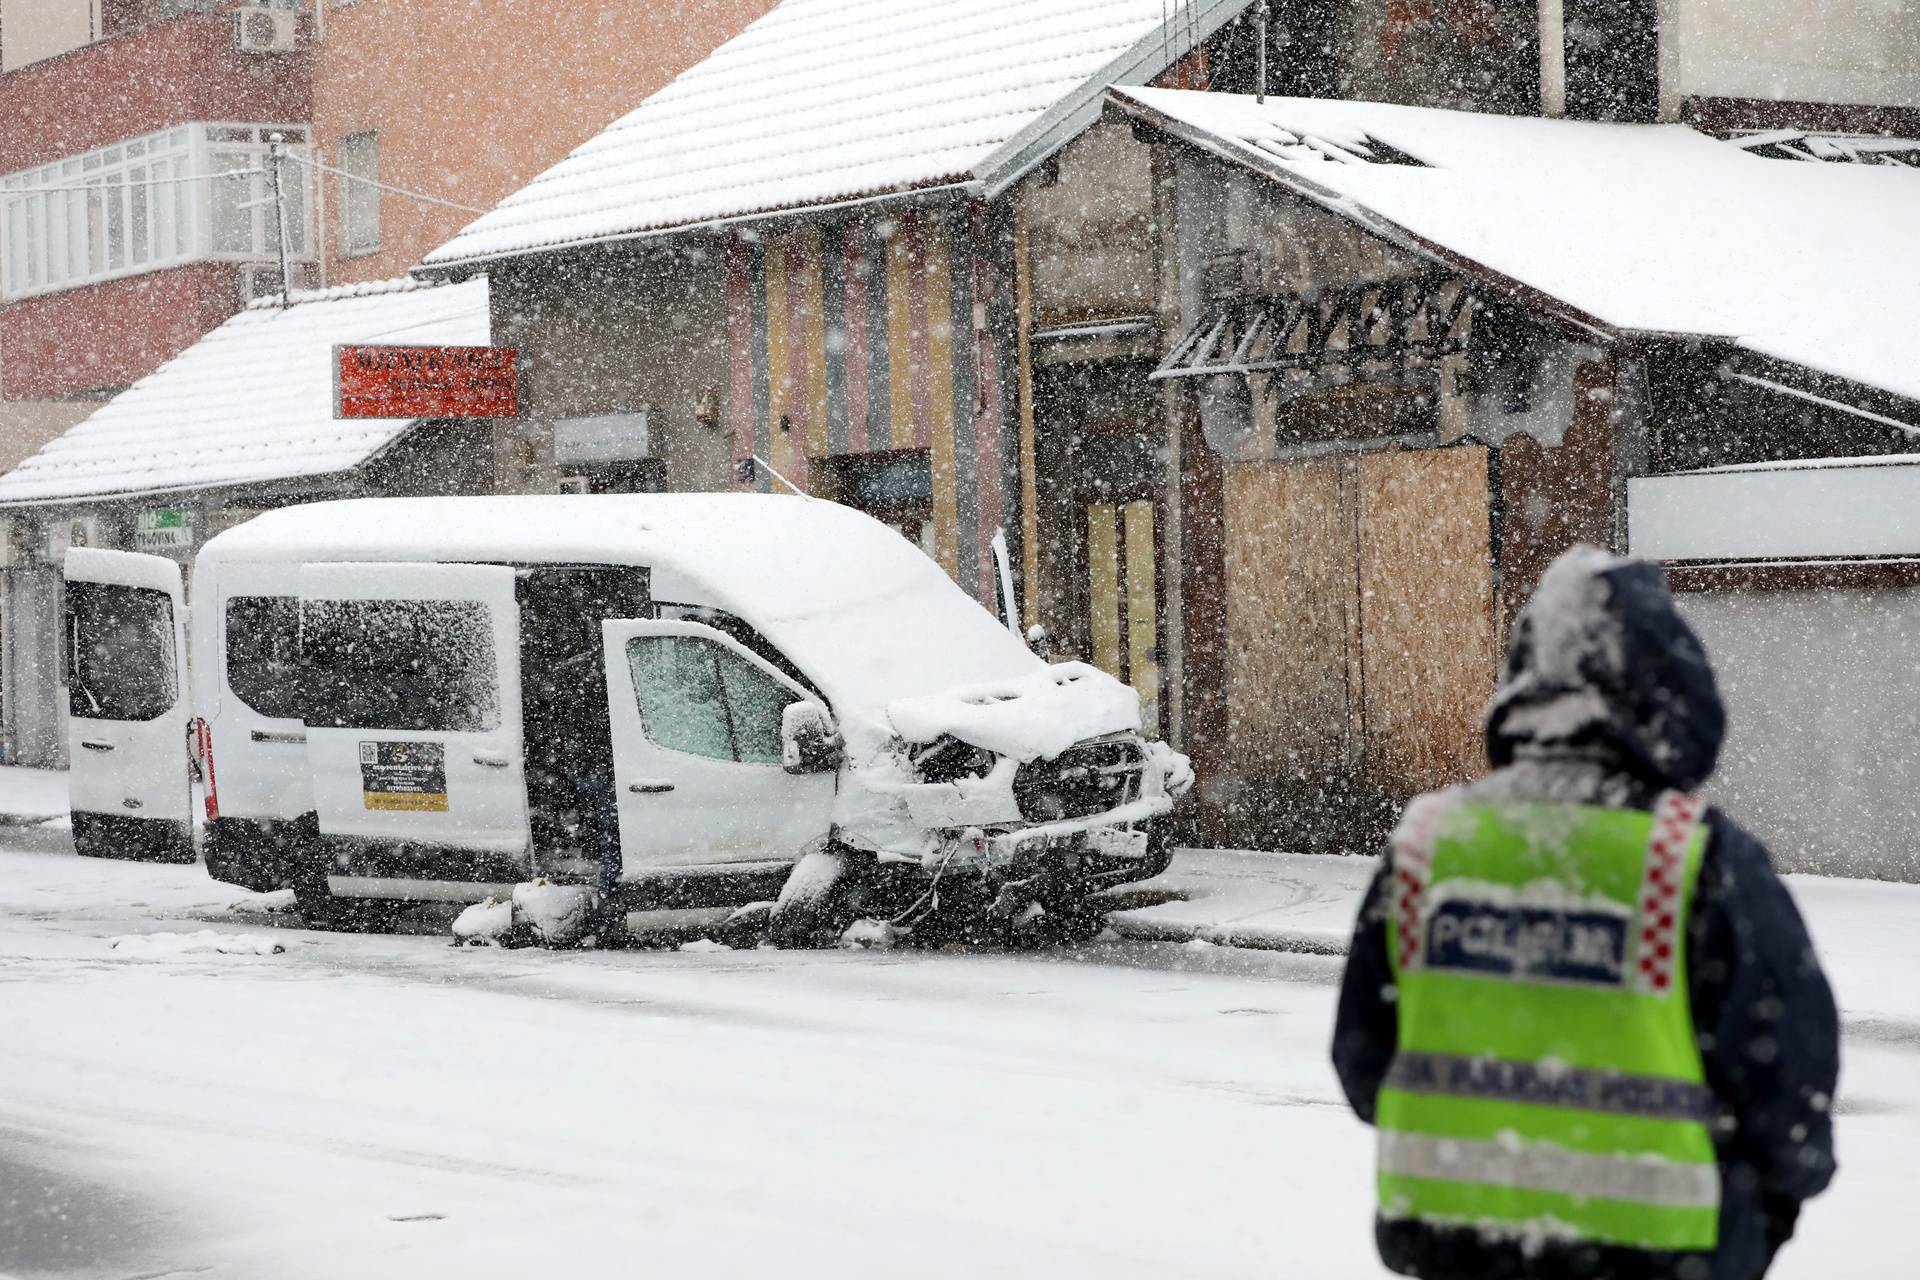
x=398 y=191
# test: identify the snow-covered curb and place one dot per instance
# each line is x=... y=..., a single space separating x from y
x=1242 y=898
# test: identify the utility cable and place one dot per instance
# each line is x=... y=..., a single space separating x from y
x=372 y=182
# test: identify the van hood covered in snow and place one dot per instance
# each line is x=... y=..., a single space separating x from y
x=1031 y=717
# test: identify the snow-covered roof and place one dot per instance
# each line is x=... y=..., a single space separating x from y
x=826 y=101
x=1651 y=228
x=252 y=401
x=862 y=611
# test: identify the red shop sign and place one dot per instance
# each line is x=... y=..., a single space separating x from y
x=425 y=382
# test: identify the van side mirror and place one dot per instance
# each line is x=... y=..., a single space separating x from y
x=809 y=742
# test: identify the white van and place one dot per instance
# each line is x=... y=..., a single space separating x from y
x=395 y=699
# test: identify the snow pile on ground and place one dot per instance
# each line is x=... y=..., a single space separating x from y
x=702 y=946
x=559 y=913
x=32 y=795
x=279 y=901
x=160 y=946
x=553 y=914
x=870 y=935
x=484 y=921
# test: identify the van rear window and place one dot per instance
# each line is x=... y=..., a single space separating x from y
x=119 y=643
x=263 y=653
x=398 y=664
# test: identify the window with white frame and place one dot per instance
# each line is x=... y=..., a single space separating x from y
x=187 y=194
x=359 y=156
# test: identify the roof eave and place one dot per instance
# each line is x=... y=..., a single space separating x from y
x=1073 y=115
x=226 y=488
x=1369 y=220
x=909 y=196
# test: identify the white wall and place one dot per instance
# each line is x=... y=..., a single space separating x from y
x=1822 y=759
x=1864 y=52
x=1840 y=507
x=34 y=29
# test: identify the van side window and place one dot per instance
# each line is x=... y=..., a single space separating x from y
x=263 y=653
x=699 y=697
x=119 y=649
x=736 y=629
x=398 y=664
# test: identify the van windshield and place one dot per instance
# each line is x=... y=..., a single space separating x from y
x=398 y=664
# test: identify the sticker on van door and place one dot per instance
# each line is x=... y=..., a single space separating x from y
x=404 y=776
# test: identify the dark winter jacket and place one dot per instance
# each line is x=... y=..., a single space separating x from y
x=1606 y=697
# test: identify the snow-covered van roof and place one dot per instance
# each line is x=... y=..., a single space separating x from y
x=252 y=401
x=821 y=102
x=862 y=611
x=1650 y=228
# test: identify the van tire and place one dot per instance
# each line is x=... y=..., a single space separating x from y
x=820 y=899
x=320 y=909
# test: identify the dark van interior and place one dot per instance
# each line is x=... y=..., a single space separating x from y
x=569 y=752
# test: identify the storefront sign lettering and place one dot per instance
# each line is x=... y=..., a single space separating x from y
x=425 y=382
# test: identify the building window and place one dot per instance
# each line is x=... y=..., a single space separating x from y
x=895 y=488
x=359 y=166
x=188 y=194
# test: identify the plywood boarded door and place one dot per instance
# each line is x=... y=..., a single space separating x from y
x=1426 y=615
x=1290 y=589
x=1359 y=630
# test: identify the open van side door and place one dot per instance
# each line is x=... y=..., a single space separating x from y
x=696 y=719
x=124 y=635
x=410 y=690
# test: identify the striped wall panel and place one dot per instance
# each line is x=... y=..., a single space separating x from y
x=872 y=336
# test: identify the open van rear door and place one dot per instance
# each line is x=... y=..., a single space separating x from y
x=410 y=689
x=124 y=634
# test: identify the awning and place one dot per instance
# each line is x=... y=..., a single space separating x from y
x=1394 y=332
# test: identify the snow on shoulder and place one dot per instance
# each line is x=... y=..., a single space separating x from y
x=1031 y=717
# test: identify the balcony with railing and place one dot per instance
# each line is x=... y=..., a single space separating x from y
x=198 y=192
x=136 y=206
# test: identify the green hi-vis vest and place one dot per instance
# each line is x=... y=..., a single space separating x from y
x=1547 y=1085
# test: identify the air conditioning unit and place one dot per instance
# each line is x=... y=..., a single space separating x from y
x=259 y=29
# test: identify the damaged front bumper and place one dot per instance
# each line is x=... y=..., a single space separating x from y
x=1123 y=835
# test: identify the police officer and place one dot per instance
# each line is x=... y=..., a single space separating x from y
x=1580 y=1007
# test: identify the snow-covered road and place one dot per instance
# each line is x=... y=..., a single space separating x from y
x=389 y=1106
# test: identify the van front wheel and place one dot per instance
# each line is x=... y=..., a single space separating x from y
x=820 y=899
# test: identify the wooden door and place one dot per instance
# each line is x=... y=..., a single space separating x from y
x=1123 y=597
